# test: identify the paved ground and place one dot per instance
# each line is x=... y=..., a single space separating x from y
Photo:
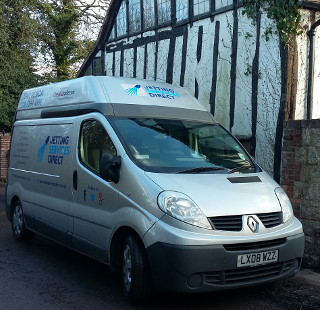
x=44 y=275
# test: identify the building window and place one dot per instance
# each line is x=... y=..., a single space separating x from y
x=88 y=71
x=164 y=11
x=201 y=6
x=134 y=16
x=122 y=20
x=222 y=3
x=148 y=13
x=182 y=10
x=97 y=67
x=112 y=33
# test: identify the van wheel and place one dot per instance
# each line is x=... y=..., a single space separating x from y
x=136 y=281
x=19 y=230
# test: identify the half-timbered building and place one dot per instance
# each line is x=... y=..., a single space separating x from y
x=248 y=79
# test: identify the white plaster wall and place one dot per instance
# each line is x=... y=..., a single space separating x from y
x=242 y=127
x=303 y=44
x=191 y=59
x=151 y=48
x=108 y=63
x=163 y=48
x=203 y=72
x=303 y=52
x=222 y=110
x=148 y=34
x=177 y=61
x=269 y=94
x=128 y=63
x=117 y=63
x=140 y=62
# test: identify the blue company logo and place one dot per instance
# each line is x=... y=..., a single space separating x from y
x=133 y=91
x=151 y=91
x=42 y=149
x=58 y=149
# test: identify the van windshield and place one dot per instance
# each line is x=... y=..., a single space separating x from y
x=179 y=146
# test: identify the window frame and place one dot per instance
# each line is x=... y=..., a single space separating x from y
x=172 y=21
x=135 y=31
x=168 y=22
x=184 y=20
x=94 y=67
x=203 y=14
x=117 y=36
x=155 y=25
x=80 y=142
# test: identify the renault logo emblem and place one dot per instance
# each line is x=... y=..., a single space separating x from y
x=252 y=224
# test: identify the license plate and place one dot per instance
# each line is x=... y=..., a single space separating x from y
x=254 y=259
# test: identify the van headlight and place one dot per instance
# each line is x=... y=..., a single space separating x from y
x=284 y=203
x=181 y=207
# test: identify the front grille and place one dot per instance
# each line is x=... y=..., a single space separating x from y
x=271 y=219
x=247 y=275
x=234 y=222
x=254 y=245
x=227 y=223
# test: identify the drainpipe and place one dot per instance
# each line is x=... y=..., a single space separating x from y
x=311 y=34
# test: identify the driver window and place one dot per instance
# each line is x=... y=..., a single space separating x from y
x=94 y=142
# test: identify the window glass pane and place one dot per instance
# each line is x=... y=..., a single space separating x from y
x=94 y=143
x=122 y=20
x=97 y=67
x=163 y=145
x=112 y=33
x=201 y=6
x=148 y=13
x=182 y=8
x=89 y=71
x=164 y=11
x=222 y=3
x=134 y=16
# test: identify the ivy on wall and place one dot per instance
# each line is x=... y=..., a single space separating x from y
x=286 y=13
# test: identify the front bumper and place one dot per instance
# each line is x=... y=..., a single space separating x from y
x=184 y=268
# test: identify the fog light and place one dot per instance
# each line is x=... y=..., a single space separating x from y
x=195 y=281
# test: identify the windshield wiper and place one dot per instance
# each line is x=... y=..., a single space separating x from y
x=241 y=168
x=201 y=169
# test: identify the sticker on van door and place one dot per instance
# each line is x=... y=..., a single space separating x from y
x=58 y=149
x=92 y=191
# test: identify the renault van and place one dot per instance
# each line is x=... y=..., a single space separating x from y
x=138 y=175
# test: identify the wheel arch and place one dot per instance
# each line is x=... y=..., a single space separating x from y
x=13 y=200
x=116 y=245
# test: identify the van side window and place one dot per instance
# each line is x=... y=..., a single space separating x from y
x=94 y=142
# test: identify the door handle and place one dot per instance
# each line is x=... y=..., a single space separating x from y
x=75 y=180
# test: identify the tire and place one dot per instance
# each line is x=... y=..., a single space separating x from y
x=19 y=230
x=136 y=281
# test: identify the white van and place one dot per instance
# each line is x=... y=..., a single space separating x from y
x=138 y=175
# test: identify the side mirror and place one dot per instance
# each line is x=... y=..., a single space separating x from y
x=110 y=167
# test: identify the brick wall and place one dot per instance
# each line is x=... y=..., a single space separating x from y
x=4 y=153
x=300 y=178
